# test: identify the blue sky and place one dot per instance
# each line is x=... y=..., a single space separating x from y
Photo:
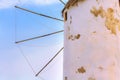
x=16 y=25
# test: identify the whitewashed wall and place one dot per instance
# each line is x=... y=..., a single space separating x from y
x=91 y=46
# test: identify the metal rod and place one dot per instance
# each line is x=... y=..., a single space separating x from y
x=62 y=2
x=49 y=62
x=38 y=13
x=38 y=37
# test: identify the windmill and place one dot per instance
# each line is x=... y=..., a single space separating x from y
x=92 y=40
x=45 y=35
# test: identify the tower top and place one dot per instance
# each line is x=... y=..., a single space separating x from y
x=71 y=3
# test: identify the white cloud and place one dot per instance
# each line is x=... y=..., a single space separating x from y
x=7 y=3
x=44 y=2
x=10 y=3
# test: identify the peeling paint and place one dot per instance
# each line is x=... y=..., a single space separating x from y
x=97 y=12
x=110 y=21
x=77 y=36
x=73 y=37
x=66 y=78
x=81 y=70
x=68 y=28
x=119 y=2
x=100 y=68
x=70 y=19
x=94 y=32
x=91 y=78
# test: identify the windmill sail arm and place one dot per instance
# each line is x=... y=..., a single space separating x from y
x=62 y=2
x=21 y=41
x=38 y=13
x=49 y=61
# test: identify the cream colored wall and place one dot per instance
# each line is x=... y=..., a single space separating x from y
x=92 y=40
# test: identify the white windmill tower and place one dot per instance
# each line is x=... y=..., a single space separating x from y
x=91 y=48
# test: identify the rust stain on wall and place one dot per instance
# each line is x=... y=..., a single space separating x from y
x=111 y=22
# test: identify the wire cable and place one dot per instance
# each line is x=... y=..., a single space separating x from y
x=21 y=51
x=38 y=13
x=15 y=24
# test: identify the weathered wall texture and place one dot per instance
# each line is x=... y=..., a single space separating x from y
x=92 y=40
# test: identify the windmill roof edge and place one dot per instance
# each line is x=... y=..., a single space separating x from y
x=71 y=3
